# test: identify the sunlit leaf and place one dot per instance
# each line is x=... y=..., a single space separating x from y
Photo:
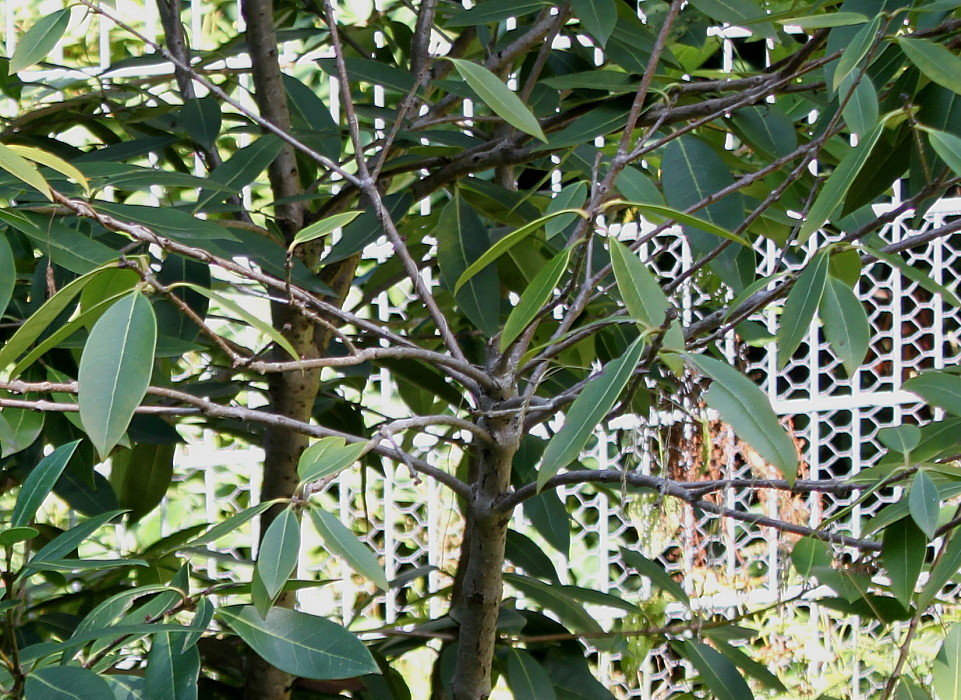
x=341 y=541
x=323 y=227
x=502 y=101
x=716 y=672
x=39 y=483
x=22 y=169
x=39 y=40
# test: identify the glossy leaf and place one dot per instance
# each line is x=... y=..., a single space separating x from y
x=327 y=457
x=642 y=295
x=846 y=326
x=502 y=101
x=902 y=553
x=716 y=672
x=598 y=17
x=39 y=41
x=947 y=666
x=66 y=683
x=587 y=411
x=23 y=170
x=279 y=552
x=747 y=410
x=924 y=503
x=653 y=571
x=304 y=645
x=39 y=483
x=15 y=535
x=935 y=61
x=115 y=370
x=526 y=678
x=506 y=243
x=533 y=298
x=323 y=227
x=831 y=196
x=21 y=428
x=802 y=303
x=340 y=540
x=172 y=672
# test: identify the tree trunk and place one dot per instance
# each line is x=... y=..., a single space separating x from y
x=478 y=597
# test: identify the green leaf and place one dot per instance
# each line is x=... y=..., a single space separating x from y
x=39 y=483
x=304 y=645
x=39 y=40
x=938 y=388
x=936 y=62
x=533 y=298
x=63 y=544
x=598 y=17
x=658 y=577
x=260 y=324
x=66 y=246
x=462 y=238
x=526 y=678
x=587 y=411
x=902 y=553
x=279 y=552
x=832 y=19
x=323 y=227
x=172 y=672
x=8 y=274
x=115 y=370
x=900 y=438
x=924 y=504
x=66 y=683
x=946 y=568
x=21 y=428
x=140 y=477
x=558 y=600
x=636 y=186
x=502 y=101
x=493 y=11
x=912 y=274
x=327 y=457
x=907 y=690
x=801 y=305
x=717 y=673
x=947 y=666
x=522 y=552
x=856 y=50
x=568 y=198
x=15 y=535
x=177 y=224
x=861 y=110
x=230 y=525
x=642 y=295
x=831 y=196
x=846 y=326
x=948 y=148
x=767 y=128
x=506 y=243
x=746 y=409
x=23 y=170
x=549 y=517
x=370 y=71
x=340 y=540
x=685 y=219
x=242 y=168
x=201 y=119
x=53 y=162
x=750 y=667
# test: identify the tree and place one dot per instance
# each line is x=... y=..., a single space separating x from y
x=503 y=167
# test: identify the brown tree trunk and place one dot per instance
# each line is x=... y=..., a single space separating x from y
x=480 y=572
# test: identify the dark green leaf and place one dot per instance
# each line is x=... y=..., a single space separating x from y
x=750 y=667
x=651 y=570
x=527 y=679
x=172 y=672
x=558 y=600
x=946 y=568
x=907 y=690
x=598 y=17
x=523 y=552
x=65 y=543
x=279 y=552
x=66 y=247
x=588 y=410
x=900 y=438
x=635 y=186
x=902 y=554
x=717 y=673
x=39 y=41
x=948 y=148
x=549 y=516
x=115 y=370
x=570 y=198
x=39 y=483
x=861 y=111
x=947 y=666
x=230 y=525
x=200 y=118
x=493 y=11
x=8 y=274
x=340 y=540
x=241 y=169
x=856 y=50
x=846 y=326
x=924 y=504
x=301 y=644
x=938 y=388
x=66 y=683
x=140 y=477
x=373 y=72
x=802 y=303
x=767 y=128
x=747 y=410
